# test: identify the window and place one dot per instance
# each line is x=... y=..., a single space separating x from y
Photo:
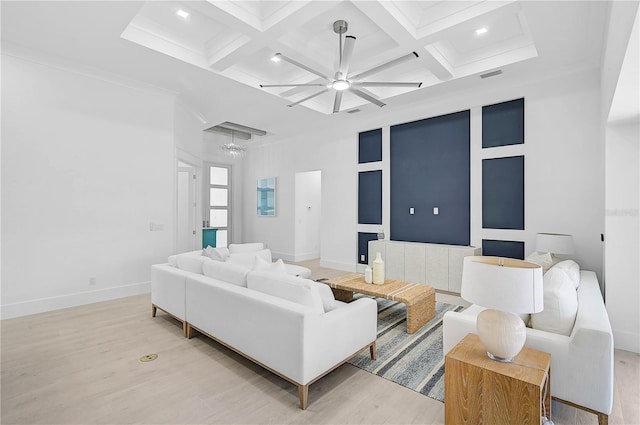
x=218 y=205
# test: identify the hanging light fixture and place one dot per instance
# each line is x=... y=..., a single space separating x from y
x=232 y=149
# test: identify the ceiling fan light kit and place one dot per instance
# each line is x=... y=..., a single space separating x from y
x=341 y=81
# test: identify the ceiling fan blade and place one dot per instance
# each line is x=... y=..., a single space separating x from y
x=292 y=85
x=299 y=65
x=382 y=84
x=367 y=97
x=337 y=101
x=309 y=97
x=347 y=53
x=387 y=65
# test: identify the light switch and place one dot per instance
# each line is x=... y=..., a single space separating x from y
x=362 y=257
x=435 y=211
x=411 y=211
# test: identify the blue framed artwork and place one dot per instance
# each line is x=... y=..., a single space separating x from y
x=267 y=197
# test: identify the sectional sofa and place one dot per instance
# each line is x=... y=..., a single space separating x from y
x=287 y=324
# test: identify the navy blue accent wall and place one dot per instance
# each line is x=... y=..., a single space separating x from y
x=370 y=146
x=503 y=124
x=509 y=249
x=503 y=193
x=370 y=197
x=363 y=246
x=430 y=168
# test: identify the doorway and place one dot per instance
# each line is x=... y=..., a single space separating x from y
x=308 y=199
x=186 y=208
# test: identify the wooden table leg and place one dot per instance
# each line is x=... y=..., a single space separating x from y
x=342 y=295
x=420 y=312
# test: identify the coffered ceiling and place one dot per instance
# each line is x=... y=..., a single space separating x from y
x=237 y=39
x=214 y=59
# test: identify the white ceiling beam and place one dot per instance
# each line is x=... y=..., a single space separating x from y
x=257 y=36
x=396 y=25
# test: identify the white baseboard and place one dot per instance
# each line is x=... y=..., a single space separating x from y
x=26 y=308
x=348 y=267
x=307 y=256
x=626 y=341
x=285 y=257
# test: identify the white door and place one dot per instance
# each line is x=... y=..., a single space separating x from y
x=308 y=197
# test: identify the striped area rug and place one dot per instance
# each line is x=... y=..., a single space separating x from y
x=414 y=361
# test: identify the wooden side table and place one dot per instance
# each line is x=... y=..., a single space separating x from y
x=479 y=390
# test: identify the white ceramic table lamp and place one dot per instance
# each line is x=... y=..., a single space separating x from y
x=507 y=287
x=554 y=243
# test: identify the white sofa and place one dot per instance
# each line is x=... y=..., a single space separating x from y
x=290 y=325
x=581 y=362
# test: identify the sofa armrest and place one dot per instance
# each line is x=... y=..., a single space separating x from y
x=333 y=337
x=591 y=348
x=168 y=289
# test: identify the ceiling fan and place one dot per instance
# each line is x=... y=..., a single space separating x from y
x=342 y=80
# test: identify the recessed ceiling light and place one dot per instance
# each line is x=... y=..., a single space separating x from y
x=481 y=31
x=181 y=13
x=276 y=58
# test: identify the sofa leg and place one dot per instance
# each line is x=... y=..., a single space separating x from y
x=185 y=329
x=603 y=419
x=372 y=350
x=303 y=392
x=153 y=310
x=188 y=330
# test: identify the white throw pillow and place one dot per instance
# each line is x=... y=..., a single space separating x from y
x=263 y=266
x=544 y=260
x=560 y=304
x=328 y=300
x=572 y=269
x=226 y=272
x=298 y=290
x=236 y=248
x=248 y=259
x=218 y=254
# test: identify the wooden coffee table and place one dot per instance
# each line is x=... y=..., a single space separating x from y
x=420 y=299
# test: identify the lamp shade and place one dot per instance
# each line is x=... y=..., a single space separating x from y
x=555 y=243
x=505 y=284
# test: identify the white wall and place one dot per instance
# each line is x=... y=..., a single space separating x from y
x=278 y=231
x=308 y=217
x=564 y=167
x=622 y=259
x=87 y=165
x=622 y=221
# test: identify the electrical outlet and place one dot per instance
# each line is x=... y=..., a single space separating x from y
x=154 y=227
x=412 y=211
x=436 y=211
x=92 y=281
x=362 y=257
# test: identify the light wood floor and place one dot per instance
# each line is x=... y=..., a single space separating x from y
x=81 y=366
